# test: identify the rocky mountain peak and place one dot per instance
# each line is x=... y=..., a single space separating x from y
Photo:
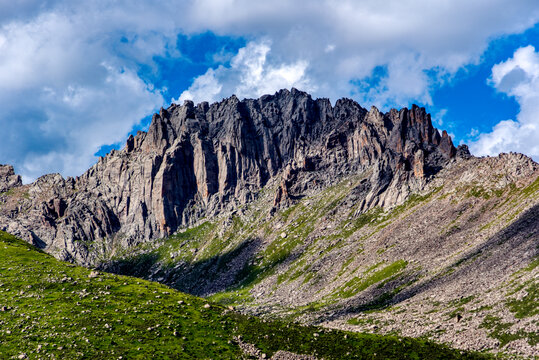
x=203 y=160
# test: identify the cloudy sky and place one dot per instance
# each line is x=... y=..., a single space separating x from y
x=77 y=77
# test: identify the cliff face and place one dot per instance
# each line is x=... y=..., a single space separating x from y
x=201 y=161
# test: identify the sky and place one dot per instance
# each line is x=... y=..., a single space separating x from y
x=77 y=77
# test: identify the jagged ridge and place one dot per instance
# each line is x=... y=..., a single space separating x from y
x=199 y=161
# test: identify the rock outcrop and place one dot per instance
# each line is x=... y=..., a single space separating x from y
x=8 y=178
x=200 y=161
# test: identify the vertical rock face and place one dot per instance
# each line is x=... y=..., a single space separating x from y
x=8 y=179
x=199 y=161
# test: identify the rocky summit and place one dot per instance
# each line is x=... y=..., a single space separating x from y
x=287 y=206
x=200 y=161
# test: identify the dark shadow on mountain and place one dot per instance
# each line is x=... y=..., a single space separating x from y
x=37 y=242
x=200 y=278
x=297 y=197
x=497 y=251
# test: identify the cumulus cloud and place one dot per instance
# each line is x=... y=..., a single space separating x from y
x=70 y=68
x=249 y=75
x=64 y=93
x=518 y=77
x=419 y=43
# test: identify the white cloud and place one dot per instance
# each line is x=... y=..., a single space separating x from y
x=205 y=87
x=473 y=132
x=249 y=75
x=70 y=68
x=64 y=93
x=77 y=121
x=438 y=117
x=408 y=38
x=517 y=77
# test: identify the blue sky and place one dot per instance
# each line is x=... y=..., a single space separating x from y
x=473 y=105
x=76 y=78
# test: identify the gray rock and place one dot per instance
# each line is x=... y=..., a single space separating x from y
x=201 y=161
x=8 y=178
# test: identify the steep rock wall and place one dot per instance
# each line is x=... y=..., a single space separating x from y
x=201 y=161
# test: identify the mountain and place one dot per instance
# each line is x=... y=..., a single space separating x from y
x=286 y=206
x=196 y=162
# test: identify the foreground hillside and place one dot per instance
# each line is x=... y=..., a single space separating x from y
x=50 y=309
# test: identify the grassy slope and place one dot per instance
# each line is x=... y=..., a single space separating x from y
x=51 y=309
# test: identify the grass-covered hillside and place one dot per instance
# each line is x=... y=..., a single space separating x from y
x=50 y=309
